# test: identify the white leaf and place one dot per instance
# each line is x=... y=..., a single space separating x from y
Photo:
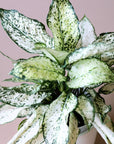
x=87 y=31
x=30 y=128
x=8 y=114
x=106 y=129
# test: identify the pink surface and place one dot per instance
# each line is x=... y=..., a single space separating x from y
x=100 y=12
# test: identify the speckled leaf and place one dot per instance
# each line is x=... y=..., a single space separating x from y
x=23 y=95
x=25 y=127
x=89 y=73
x=106 y=129
x=63 y=22
x=37 y=139
x=107 y=88
x=24 y=31
x=110 y=62
x=21 y=124
x=73 y=129
x=100 y=106
x=107 y=55
x=8 y=114
x=55 y=55
x=55 y=129
x=14 y=79
x=86 y=109
x=28 y=131
x=26 y=112
x=38 y=68
x=104 y=43
x=87 y=31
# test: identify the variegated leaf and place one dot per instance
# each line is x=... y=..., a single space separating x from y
x=21 y=124
x=23 y=95
x=101 y=107
x=38 y=68
x=63 y=22
x=107 y=88
x=99 y=102
x=24 y=31
x=55 y=55
x=37 y=139
x=73 y=129
x=107 y=56
x=8 y=114
x=89 y=73
x=26 y=112
x=86 y=109
x=87 y=31
x=23 y=129
x=106 y=129
x=104 y=43
x=14 y=79
x=30 y=130
x=110 y=62
x=55 y=129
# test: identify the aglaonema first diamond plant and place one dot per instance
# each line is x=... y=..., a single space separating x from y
x=56 y=95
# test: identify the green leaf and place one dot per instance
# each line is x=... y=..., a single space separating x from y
x=73 y=129
x=30 y=128
x=24 y=31
x=8 y=114
x=55 y=55
x=26 y=112
x=106 y=129
x=104 y=43
x=86 y=109
x=87 y=31
x=55 y=129
x=14 y=79
x=63 y=22
x=107 y=88
x=89 y=73
x=110 y=62
x=23 y=95
x=21 y=124
x=100 y=106
x=38 y=68
x=107 y=56
x=37 y=140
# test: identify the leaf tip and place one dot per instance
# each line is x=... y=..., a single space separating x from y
x=1 y=12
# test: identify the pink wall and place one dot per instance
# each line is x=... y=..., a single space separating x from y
x=100 y=12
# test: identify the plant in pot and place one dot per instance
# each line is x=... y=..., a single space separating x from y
x=57 y=96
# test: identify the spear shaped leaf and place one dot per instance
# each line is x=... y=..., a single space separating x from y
x=8 y=114
x=89 y=73
x=87 y=31
x=100 y=106
x=63 y=22
x=105 y=129
x=22 y=95
x=38 y=68
x=55 y=128
x=30 y=128
x=104 y=43
x=25 y=32
x=73 y=129
x=86 y=109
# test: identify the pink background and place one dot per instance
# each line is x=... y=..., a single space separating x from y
x=100 y=12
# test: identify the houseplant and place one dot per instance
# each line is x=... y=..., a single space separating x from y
x=54 y=100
